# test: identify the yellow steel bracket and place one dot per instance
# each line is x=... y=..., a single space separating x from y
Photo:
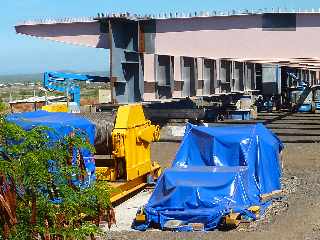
x=149 y=134
x=105 y=173
x=232 y=220
x=255 y=210
x=141 y=216
x=118 y=145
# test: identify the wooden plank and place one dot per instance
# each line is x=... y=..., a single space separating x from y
x=268 y=196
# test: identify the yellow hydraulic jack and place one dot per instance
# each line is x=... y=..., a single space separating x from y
x=130 y=167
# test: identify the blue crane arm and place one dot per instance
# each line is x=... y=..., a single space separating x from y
x=300 y=82
x=66 y=83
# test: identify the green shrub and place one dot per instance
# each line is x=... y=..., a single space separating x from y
x=3 y=106
x=25 y=160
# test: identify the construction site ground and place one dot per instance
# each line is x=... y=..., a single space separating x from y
x=296 y=216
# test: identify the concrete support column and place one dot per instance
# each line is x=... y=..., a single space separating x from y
x=226 y=76
x=249 y=77
x=238 y=73
x=200 y=78
x=218 y=76
x=177 y=83
x=317 y=77
x=149 y=78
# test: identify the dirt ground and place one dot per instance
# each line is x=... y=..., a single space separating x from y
x=299 y=215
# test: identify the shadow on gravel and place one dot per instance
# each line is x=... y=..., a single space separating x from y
x=301 y=141
x=298 y=134
x=293 y=128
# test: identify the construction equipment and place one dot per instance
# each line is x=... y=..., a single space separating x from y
x=67 y=83
x=301 y=95
x=124 y=149
x=316 y=97
x=122 y=140
x=308 y=99
x=302 y=104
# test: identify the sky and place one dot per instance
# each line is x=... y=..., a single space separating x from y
x=22 y=54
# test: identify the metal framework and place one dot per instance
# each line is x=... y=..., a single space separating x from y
x=203 y=54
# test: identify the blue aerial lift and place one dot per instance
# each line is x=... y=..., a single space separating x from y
x=68 y=83
x=300 y=95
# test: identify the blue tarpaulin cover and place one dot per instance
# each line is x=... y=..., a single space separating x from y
x=216 y=171
x=62 y=125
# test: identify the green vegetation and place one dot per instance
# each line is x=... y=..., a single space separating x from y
x=25 y=160
x=3 y=106
x=21 y=78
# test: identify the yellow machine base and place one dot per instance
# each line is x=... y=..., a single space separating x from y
x=121 y=190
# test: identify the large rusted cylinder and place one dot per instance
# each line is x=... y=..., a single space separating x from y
x=104 y=123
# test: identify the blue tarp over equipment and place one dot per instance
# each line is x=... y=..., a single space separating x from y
x=216 y=171
x=61 y=124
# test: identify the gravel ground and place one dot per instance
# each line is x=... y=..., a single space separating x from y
x=296 y=216
x=126 y=212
